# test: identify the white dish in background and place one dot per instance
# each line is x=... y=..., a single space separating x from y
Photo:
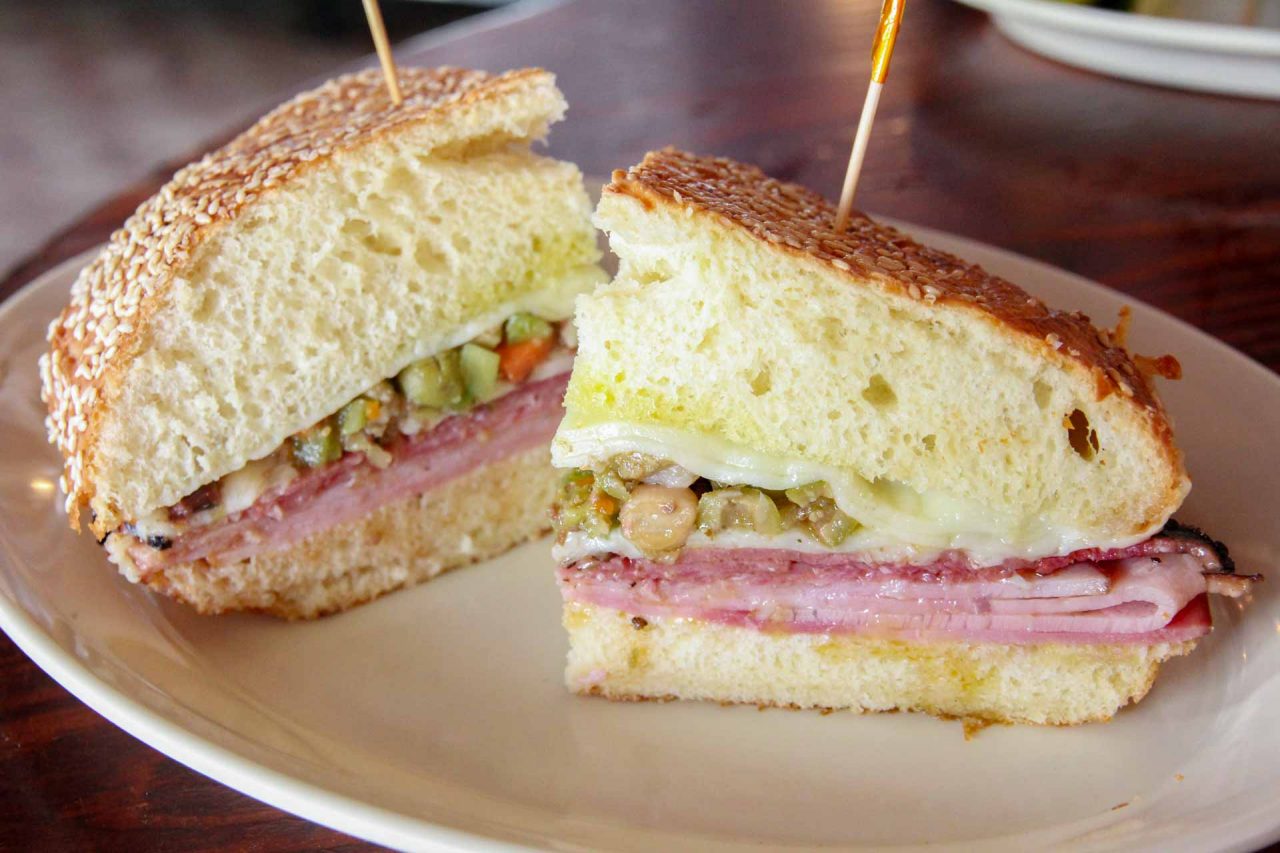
x=1208 y=57
x=435 y=717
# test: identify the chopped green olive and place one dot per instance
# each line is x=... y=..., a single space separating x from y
x=831 y=533
x=613 y=486
x=791 y=515
x=523 y=327
x=434 y=381
x=450 y=362
x=581 y=505
x=479 y=370
x=808 y=493
x=317 y=445
x=740 y=507
x=636 y=466
x=828 y=524
x=353 y=417
x=656 y=522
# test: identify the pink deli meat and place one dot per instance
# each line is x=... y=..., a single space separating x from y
x=1153 y=592
x=353 y=487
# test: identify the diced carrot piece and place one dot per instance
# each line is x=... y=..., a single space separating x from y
x=517 y=361
x=604 y=504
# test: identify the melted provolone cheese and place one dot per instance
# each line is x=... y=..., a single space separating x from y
x=893 y=515
x=553 y=304
x=869 y=545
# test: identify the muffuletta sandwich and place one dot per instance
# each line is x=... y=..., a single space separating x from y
x=829 y=469
x=325 y=361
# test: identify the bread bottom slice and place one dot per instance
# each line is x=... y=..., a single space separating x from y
x=476 y=516
x=618 y=656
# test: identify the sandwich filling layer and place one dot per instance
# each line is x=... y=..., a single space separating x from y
x=443 y=415
x=647 y=537
x=889 y=515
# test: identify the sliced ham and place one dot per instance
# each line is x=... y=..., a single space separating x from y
x=353 y=487
x=1152 y=592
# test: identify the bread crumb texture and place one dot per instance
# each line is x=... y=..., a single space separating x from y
x=325 y=248
x=1046 y=683
x=475 y=517
x=740 y=314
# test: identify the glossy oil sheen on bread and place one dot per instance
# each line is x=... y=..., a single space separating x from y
x=824 y=469
x=945 y=406
x=331 y=244
x=324 y=362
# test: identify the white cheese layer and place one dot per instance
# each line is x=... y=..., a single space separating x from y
x=553 y=304
x=868 y=544
x=893 y=515
x=243 y=487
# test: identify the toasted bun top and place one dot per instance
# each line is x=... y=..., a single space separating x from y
x=797 y=219
x=945 y=407
x=94 y=341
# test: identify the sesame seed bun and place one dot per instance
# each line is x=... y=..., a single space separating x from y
x=799 y=221
x=946 y=406
x=615 y=655
x=320 y=251
x=477 y=516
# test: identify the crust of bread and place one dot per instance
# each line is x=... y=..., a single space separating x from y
x=475 y=517
x=796 y=220
x=94 y=339
x=618 y=657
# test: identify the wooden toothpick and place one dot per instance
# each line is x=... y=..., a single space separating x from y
x=881 y=51
x=379 y=30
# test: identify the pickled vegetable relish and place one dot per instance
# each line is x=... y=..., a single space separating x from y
x=416 y=399
x=657 y=505
x=429 y=389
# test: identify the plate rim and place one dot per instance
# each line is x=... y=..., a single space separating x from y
x=1170 y=32
x=223 y=765
x=349 y=814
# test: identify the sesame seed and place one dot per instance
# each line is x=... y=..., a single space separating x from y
x=773 y=211
x=144 y=254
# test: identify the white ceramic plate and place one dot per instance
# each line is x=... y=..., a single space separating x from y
x=1209 y=57
x=435 y=718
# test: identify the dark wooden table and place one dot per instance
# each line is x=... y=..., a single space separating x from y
x=1170 y=196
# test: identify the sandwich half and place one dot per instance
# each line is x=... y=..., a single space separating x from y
x=325 y=361
x=844 y=470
